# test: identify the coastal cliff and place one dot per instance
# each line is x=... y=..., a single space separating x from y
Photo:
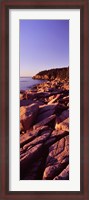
x=58 y=73
x=44 y=128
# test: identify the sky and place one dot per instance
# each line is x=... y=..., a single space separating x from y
x=44 y=44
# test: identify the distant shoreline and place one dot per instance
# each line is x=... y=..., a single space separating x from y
x=25 y=76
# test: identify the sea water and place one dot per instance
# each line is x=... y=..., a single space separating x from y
x=28 y=82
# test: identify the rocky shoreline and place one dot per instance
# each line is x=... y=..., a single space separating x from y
x=44 y=131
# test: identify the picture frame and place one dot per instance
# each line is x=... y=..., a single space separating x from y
x=83 y=194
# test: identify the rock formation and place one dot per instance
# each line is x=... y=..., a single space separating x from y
x=44 y=128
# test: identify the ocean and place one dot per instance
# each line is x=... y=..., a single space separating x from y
x=28 y=82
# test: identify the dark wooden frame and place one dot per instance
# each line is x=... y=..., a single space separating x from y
x=5 y=5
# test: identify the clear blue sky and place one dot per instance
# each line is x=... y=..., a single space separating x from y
x=44 y=44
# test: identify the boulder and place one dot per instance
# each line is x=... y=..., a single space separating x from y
x=50 y=141
x=44 y=108
x=25 y=102
x=55 y=169
x=59 y=133
x=38 y=95
x=55 y=136
x=31 y=134
x=45 y=121
x=54 y=99
x=64 y=175
x=40 y=139
x=29 y=157
x=64 y=115
x=28 y=115
x=60 y=109
x=44 y=115
x=57 y=160
x=64 y=125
